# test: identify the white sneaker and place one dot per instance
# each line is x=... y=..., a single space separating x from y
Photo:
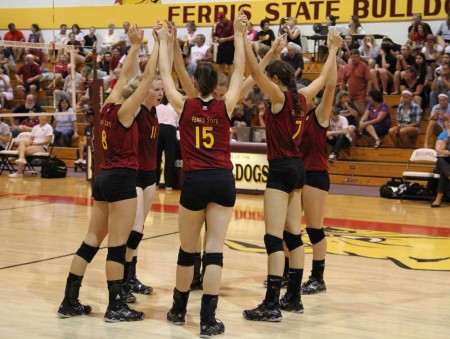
x=78 y=161
x=83 y=161
x=21 y=161
x=332 y=157
x=16 y=175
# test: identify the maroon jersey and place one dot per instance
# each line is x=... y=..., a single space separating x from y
x=284 y=130
x=205 y=135
x=120 y=144
x=313 y=144
x=148 y=127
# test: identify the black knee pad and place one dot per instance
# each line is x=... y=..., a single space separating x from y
x=315 y=234
x=134 y=239
x=273 y=244
x=292 y=241
x=87 y=252
x=213 y=259
x=185 y=258
x=117 y=254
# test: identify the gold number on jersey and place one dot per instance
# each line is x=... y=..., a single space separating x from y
x=299 y=123
x=153 y=133
x=104 y=143
x=206 y=138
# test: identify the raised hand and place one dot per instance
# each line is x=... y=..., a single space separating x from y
x=240 y=22
x=334 y=40
x=136 y=35
x=282 y=42
x=172 y=28
x=163 y=33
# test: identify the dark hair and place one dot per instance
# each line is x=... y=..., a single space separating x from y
x=36 y=27
x=354 y=51
x=377 y=96
x=11 y=25
x=422 y=68
x=77 y=27
x=386 y=47
x=206 y=76
x=263 y=22
x=356 y=21
x=332 y=18
x=60 y=26
x=286 y=74
x=60 y=102
x=191 y=24
x=412 y=69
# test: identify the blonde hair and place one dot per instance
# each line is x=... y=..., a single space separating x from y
x=131 y=86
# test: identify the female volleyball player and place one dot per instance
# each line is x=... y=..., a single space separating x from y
x=209 y=190
x=114 y=189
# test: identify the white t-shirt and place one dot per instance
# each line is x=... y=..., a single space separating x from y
x=167 y=115
x=41 y=133
x=110 y=39
x=198 y=53
x=340 y=125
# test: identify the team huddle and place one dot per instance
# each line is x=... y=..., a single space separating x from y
x=124 y=187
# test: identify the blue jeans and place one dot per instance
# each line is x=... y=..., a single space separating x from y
x=63 y=138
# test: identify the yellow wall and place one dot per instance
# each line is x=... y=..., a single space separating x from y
x=307 y=12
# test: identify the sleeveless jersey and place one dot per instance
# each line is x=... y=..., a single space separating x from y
x=205 y=135
x=313 y=144
x=120 y=144
x=284 y=130
x=148 y=127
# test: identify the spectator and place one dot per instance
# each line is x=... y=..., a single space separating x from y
x=186 y=42
x=419 y=38
x=66 y=92
x=31 y=74
x=338 y=134
x=261 y=109
x=440 y=113
x=79 y=52
x=62 y=37
x=440 y=84
x=443 y=167
x=124 y=41
x=223 y=35
x=5 y=135
x=432 y=51
x=105 y=64
x=115 y=60
x=294 y=59
x=239 y=118
x=198 y=51
x=90 y=40
x=6 y=92
x=347 y=45
x=369 y=48
x=6 y=60
x=41 y=136
x=409 y=115
x=15 y=35
x=190 y=66
x=294 y=34
x=348 y=110
x=110 y=38
x=252 y=33
x=405 y=58
x=444 y=30
x=354 y=26
x=414 y=84
x=423 y=70
x=24 y=124
x=36 y=34
x=266 y=35
x=357 y=80
x=416 y=25
x=384 y=70
x=79 y=36
x=376 y=119
x=64 y=126
x=254 y=96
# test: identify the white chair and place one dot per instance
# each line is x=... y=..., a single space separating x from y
x=421 y=156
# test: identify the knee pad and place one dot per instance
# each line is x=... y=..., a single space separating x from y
x=273 y=244
x=185 y=258
x=292 y=241
x=315 y=234
x=117 y=254
x=213 y=259
x=87 y=252
x=134 y=239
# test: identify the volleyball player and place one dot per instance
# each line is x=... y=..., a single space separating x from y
x=148 y=128
x=114 y=189
x=209 y=191
x=317 y=183
x=282 y=197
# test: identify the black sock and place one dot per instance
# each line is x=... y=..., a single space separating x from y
x=286 y=267
x=294 y=282
x=208 y=308
x=115 y=292
x=180 y=300
x=126 y=271
x=197 y=264
x=273 y=290
x=73 y=284
x=318 y=266
x=133 y=266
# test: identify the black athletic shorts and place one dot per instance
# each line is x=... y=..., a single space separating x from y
x=225 y=54
x=203 y=187
x=318 y=179
x=114 y=184
x=145 y=179
x=286 y=174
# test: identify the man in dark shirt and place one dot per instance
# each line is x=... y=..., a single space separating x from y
x=224 y=36
x=25 y=124
x=404 y=59
x=31 y=74
x=294 y=59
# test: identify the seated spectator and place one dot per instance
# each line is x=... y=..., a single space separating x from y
x=294 y=59
x=190 y=66
x=440 y=113
x=5 y=135
x=260 y=114
x=66 y=92
x=64 y=126
x=82 y=142
x=347 y=45
x=348 y=110
x=354 y=26
x=432 y=50
x=6 y=92
x=404 y=59
x=417 y=25
x=15 y=35
x=79 y=36
x=6 y=60
x=222 y=86
x=36 y=34
x=60 y=39
x=419 y=38
x=198 y=51
x=41 y=136
x=61 y=69
x=409 y=116
x=89 y=41
x=252 y=33
x=24 y=124
x=239 y=118
x=294 y=34
x=79 y=52
x=338 y=134
x=376 y=120
x=186 y=42
x=440 y=84
x=31 y=74
x=444 y=30
x=384 y=70
x=110 y=38
x=443 y=166
x=266 y=35
x=369 y=48
x=115 y=60
x=254 y=96
x=143 y=52
x=423 y=70
x=414 y=84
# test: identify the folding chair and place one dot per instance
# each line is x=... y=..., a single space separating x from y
x=6 y=154
x=421 y=156
x=40 y=156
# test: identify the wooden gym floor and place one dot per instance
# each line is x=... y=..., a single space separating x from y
x=387 y=270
